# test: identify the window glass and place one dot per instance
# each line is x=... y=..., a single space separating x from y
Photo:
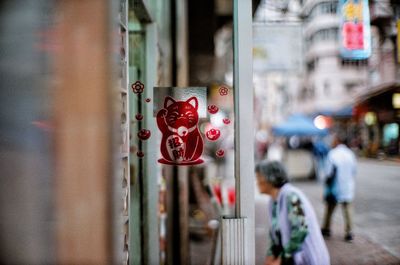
x=330 y=34
x=324 y=8
x=390 y=133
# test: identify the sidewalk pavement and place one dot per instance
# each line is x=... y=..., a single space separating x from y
x=361 y=251
x=370 y=227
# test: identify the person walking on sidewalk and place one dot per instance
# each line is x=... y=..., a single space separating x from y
x=294 y=231
x=342 y=167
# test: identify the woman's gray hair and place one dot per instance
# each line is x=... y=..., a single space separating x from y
x=274 y=172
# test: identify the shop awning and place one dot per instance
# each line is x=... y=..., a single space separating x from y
x=343 y=112
x=298 y=125
x=376 y=91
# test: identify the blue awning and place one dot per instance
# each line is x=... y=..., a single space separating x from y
x=340 y=113
x=299 y=125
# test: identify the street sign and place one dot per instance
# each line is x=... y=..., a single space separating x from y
x=355 y=32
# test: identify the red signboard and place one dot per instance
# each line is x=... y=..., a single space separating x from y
x=353 y=37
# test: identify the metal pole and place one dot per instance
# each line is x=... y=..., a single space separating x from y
x=151 y=243
x=244 y=129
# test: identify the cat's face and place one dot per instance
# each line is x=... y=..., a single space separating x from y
x=181 y=113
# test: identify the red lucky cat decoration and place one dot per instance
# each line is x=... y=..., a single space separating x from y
x=181 y=143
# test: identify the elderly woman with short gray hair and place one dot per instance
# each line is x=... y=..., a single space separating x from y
x=295 y=234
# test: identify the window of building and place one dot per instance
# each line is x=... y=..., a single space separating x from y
x=303 y=93
x=329 y=34
x=354 y=63
x=390 y=133
x=327 y=88
x=312 y=64
x=329 y=7
x=350 y=87
x=311 y=92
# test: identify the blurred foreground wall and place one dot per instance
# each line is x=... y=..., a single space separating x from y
x=27 y=219
x=56 y=140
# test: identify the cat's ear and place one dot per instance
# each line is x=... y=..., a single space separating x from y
x=168 y=101
x=193 y=101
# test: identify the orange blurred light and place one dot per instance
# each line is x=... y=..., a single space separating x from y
x=322 y=122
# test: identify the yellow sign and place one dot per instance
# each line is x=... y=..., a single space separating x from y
x=353 y=11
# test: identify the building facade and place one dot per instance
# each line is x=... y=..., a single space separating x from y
x=330 y=82
x=277 y=61
x=376 y=111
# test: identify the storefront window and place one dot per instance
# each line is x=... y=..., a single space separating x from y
x=390 y=134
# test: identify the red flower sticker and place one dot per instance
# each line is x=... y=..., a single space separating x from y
x=140 y=154
x=213 y=134
x=220 y=153
x=212 y=109
x=226 y=121
x=139 y=117
x=223 y=91
x=137 y=87
x=144 y=134
x=148 y=100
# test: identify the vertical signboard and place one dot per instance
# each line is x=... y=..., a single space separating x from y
x=355 y=32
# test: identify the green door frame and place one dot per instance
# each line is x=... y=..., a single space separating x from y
x=144 y=227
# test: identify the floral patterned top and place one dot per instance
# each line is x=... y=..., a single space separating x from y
x=298 y=225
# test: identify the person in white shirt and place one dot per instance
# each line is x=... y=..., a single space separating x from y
x=340 y=185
